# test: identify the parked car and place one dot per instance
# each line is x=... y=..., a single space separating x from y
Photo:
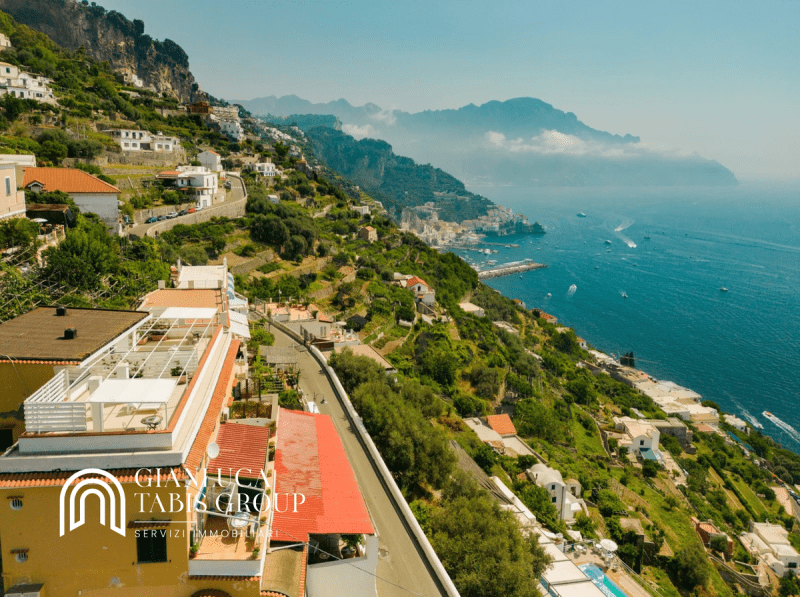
x=183 y=212
x=191 y=210
x=151 y=219
x=198 y=208
x=172 y=214
x=228 y=185
x=161 y=218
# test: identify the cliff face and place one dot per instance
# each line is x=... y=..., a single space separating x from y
x=110 y=36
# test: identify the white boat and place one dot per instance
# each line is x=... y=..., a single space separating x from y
x=723 y=289
x=624 y=294
x=581 y=215
x=782 y=424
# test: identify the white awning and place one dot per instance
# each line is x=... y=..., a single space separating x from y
x=238 y=317
x=188 y=313
x=240 y=330
x=150 y=391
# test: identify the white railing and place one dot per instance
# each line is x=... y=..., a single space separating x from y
x=54 y=390
x=55 y=417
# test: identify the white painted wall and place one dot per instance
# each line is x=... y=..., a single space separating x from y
x=105 y=205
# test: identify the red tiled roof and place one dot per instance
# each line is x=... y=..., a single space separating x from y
x=310 y=460
x=221 y=391
x=69 y=180
x=56 y=479
x=241 y=448
x=170 y=173
x=703 y=428
x=501 y=424
x=324 y=318
x=708 y=528
x=416 y=280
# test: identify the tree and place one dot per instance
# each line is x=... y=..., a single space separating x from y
x=689 y=568
x=650 y=468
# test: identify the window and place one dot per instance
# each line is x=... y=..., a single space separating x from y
x=6 y=439
x=16 y=504
x=554 y=499
x=8 y=185
x=151 y=546
x=641 y=442
x=553 y=486
x=21 y=556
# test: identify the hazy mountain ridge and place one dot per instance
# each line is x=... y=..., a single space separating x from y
x=522 y=141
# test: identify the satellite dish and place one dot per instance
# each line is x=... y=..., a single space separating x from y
x=212 y=450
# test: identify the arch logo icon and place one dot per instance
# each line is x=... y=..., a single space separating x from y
x=72 y=501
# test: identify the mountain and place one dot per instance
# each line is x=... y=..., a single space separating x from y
x=108 y=35
x=522 y=141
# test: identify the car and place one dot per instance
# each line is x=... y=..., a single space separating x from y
x=183 y=212
x=172 y=214
x=228 y=186
x=151 y=220
x=199 y=208
x=161 y=218
x=191 y=210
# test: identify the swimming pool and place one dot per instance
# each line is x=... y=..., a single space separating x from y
x=601 y=581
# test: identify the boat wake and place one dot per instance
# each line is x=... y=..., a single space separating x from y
x=618 y=230
x=752 y=420
x=783 y=425
x=572 y=290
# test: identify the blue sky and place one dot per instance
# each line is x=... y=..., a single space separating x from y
x=719 y=78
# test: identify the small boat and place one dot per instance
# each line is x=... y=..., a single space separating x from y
x=581 y=215
x=723 y=289
x=549 y=295
x=624 y=294
x=608 y=250
x=596 y=267
x=608 y=242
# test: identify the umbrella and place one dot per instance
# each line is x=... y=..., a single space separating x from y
x=608 y=545
x=39 y=220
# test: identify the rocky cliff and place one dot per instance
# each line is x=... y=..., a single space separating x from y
x=108 y=35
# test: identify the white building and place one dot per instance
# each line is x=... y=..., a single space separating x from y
x=771 y=543
x=195 y=180
x=136 y=140
x=678 y=401
x=210 y=159
x=736 y=423
x=212 y=276
x=472 y=309
x=24 y=85
x=422 y=291
x=12 y=201
x=263 y=168
x=565 y=495
x=4 y=41
x=232 y=128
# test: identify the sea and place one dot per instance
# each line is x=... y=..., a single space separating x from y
x=645 y=269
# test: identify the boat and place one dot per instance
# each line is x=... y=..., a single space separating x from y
x=723 y=289
x=624 y=294
x=596 y=267
x=782 y=424
x=549 y=295
x=608 y=242
x=581 y=215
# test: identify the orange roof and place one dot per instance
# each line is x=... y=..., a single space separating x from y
x=241 y=448
x=708 y=528
x=69 y=180
x=416 y=280
x=703 y=428
x=501 y=424
x=310 y=460
x=221 y=391
x=174 y=297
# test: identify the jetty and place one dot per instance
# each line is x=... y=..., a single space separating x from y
x=506 y=269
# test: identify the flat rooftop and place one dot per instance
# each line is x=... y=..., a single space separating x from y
x=207 y=298
x=38 y=335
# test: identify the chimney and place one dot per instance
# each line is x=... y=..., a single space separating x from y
x=61 y=311
x=70 y=334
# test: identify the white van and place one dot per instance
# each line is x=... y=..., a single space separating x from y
x=312 y=408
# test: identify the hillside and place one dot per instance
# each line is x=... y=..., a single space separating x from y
x=521 y=141
x=108 y=35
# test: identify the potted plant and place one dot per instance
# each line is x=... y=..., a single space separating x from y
x=256 y=552
x=351 y=543
x=176 y=372
x=193 y=550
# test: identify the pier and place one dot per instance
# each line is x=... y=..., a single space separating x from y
x=507 y=269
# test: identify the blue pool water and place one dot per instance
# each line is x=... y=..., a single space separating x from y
x=602 y=582
x=738 y=348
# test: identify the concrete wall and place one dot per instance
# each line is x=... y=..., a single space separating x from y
x=332 y=579
x=229 y=210
x=105 y=205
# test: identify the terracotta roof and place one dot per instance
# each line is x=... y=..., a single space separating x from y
x=221 y=391
x=324 y=318
x=703 y=428
x=241 y=448
x=416 y=280
x=310 y=460
x=169 y=173
x=174 y=297
x=38 y=335
x=69 y=180
x=57 y=479
x=501 y=424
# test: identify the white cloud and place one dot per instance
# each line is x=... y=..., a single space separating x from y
x=385 y=116
x=358 y=132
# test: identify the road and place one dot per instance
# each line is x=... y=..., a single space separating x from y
x=402 y=571
x=237 y=194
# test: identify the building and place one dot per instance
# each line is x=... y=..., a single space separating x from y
x=677 y=401
x=20 y=162
x=770 y=542
x=232 y=128
x=88 y=192
x=365 y=350
x=4 y=41
x=137 y=140
x=422 y=291
x=212 y=277
x=552 y=319
x=565 y=495
x=24 y=85
x=12 y=201
x=506 y=327
x=197 y=182
x=501 y=424
x=736 y=423
x=362 y=210
x=200 y=108
x=54 y=213
x=472 y=309
x=263 y=168
x=368 y=233
x=641 y=437
x=709 y=532
x=210 y=160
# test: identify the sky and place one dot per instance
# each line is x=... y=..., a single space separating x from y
x=716 y=78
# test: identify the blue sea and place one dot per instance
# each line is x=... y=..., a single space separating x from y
x=671 y=251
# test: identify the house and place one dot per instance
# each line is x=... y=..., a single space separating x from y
x=232 y=128
x=195 y=181
x=552 y=319
x=472 y=309
x=675 y=400
x=641 y=436
x=565 y=495
x=4 y=41
x=770 y=542
x=708 y=531
x=20 y=162
x=213 y=276
x=274 y=199
x=138 y=140
x=200 y=108
x=674 y=427
x=24 y=85
x=263 y=168
x=362 y=210
x=12 y=201
x=88 y=192
x=736 y=423
x=210 y=160
x=502 y=424
x=582 y=343
x=368 y=233
x=422 y=291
